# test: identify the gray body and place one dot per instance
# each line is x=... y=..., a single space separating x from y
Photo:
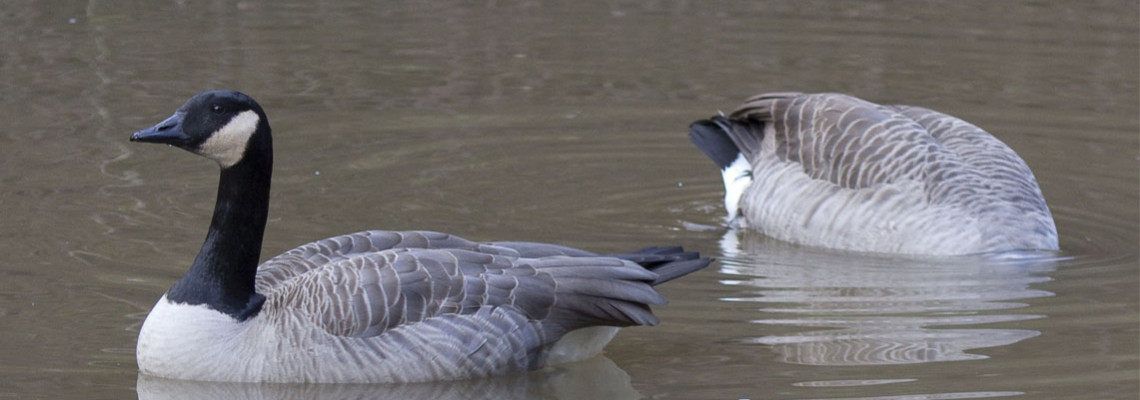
x=381 y=306
x=836 y=171
x=374 y=306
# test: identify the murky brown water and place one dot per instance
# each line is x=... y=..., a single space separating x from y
x=566 y=122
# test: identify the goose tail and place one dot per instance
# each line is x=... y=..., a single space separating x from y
x=712 y=137
x=669 y=263
x=722 y=140
x=610 y=290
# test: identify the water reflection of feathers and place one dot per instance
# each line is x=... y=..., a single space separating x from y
x=876 y=309
x=596 y=378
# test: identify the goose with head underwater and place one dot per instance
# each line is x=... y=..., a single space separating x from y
x=374 y=306
x=835 y=171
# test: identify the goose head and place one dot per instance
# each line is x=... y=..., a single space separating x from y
x=231 y=129
x=222 y=125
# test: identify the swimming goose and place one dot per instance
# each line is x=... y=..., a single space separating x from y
x=374 y=306
x=836 y=171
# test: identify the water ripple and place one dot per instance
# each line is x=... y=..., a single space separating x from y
x=938 y=396
x=879 y=309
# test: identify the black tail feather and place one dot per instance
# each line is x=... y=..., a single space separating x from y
x=711 y=136
x=669 y=262
x=724 y=139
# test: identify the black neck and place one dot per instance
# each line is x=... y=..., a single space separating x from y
x=222 y=276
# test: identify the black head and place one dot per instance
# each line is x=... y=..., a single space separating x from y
x=216 y=124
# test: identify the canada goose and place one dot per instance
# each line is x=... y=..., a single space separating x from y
x=374 y=306
x=836 y=171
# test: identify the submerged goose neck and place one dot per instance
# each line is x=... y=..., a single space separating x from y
x=222 y=276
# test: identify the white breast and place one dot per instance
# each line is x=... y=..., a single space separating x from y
x=194 y=342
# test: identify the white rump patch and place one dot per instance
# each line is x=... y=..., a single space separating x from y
x=737 y=177
x=580 y=344
x=227 y=145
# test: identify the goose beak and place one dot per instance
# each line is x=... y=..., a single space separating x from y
x=169 y=131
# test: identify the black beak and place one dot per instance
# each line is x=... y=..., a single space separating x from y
x=169 y=131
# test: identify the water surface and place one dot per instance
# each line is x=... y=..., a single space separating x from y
x=566 y=122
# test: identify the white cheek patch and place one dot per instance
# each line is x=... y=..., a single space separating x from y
x=227 y=145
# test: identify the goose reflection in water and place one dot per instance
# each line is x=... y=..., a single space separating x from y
x=596 y=378
x=879 y=309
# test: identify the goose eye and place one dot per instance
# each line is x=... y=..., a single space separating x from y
x=217 y=109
